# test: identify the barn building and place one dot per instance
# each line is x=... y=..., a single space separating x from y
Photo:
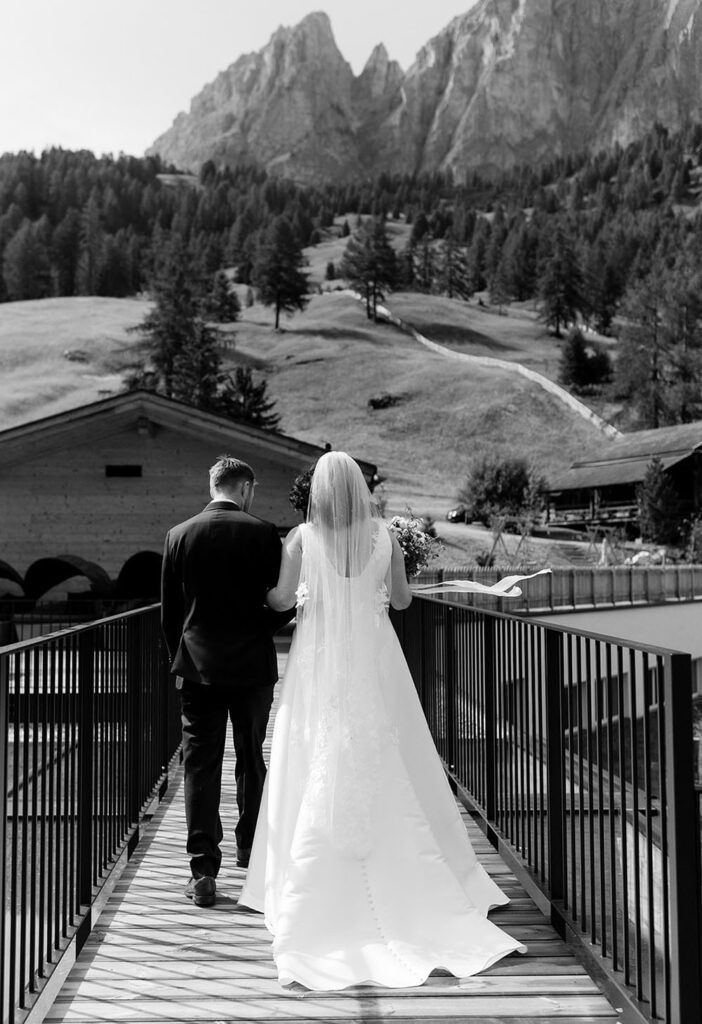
x=600 y=489
x=91 y=492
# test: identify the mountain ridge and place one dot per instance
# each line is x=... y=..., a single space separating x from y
x=505 y=83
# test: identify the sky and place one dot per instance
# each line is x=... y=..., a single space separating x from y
x=111 y=75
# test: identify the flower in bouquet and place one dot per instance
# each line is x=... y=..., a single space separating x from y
x=417 y=546
x=299 y=495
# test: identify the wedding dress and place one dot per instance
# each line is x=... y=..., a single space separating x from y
x=361 y=863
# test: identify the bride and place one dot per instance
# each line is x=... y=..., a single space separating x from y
x=360 y=863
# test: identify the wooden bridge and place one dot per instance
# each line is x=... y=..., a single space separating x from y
x=152 y=956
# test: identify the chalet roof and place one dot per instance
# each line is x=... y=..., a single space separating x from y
x=625 y=459
x=147 y=411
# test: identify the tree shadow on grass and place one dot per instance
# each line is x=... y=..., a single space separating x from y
x=330 y=333
x=460 y=337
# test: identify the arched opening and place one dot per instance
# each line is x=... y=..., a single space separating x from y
x=140 y=577
x=11 y=583
x=46 y=574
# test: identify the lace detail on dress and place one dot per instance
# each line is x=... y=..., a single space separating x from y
x=382 y=603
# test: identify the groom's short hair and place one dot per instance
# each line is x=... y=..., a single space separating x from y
x=228 y=471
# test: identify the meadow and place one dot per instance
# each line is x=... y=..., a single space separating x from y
x=322 y=369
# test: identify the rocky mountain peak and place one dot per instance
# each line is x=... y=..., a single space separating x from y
x=508 y=81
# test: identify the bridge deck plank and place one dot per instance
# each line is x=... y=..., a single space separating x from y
x=154 y=957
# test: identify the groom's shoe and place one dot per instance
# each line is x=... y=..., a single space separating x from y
x=242 y=857
x=201 y=891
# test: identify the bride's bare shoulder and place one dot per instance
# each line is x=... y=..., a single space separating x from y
x=293 y=540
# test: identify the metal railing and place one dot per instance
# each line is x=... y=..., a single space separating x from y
x=88 y=726
x=584 y=587
x=24 y=619
x=575 y=751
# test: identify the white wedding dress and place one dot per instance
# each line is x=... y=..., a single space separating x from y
x=361 y=863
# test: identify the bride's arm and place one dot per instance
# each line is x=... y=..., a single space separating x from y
x=282 y=596
x=396 y=580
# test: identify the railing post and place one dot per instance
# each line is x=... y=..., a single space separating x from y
x=554 y=769
x=134 y=739
x=683 y=843
x=450 y=683
x=490 y=663
x=86 y=727
x=5 y=964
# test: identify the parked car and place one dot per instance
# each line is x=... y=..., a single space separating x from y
x=459 y=514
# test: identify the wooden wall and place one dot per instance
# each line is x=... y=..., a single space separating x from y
x=62 y=502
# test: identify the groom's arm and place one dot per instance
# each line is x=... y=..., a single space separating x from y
x=171 y=603
x=276 y=620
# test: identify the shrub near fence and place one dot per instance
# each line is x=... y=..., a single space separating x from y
x=88 y=726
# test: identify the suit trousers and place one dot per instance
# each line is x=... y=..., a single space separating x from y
x=205 y=712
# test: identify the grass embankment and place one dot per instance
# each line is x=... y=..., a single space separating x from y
x=56 y=354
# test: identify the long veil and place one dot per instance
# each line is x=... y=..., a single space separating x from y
x=341 y=598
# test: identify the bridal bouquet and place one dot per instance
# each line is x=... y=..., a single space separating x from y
x=416 y=544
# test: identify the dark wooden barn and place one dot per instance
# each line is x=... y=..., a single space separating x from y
x=600 y=488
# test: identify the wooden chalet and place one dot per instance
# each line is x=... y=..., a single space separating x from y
x=99 y=485
x=600 y=489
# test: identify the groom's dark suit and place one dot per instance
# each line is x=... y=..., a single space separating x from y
x=216 y=570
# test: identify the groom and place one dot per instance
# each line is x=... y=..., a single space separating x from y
x=216 y=570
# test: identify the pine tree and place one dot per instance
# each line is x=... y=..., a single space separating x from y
x=196 y=367
x=222 y=305
x=659 y=506
x=500 y=285
x=244 y=400
x=453 y=276
x=25 y=267
x=424 y=264
x=170 y=328
x=92 y=249
x=369 y=263
x=66 y=250
x=641 y=371
x=573 y=365
x=560 y=284
x=276 y=273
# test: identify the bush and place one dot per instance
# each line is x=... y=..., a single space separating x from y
x=583 y=365
x=485 y=558
x=503 y=487
x=693 y=551
x=383 y=401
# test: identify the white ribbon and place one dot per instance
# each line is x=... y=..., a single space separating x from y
x=505 y=587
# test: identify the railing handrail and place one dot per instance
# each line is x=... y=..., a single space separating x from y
x=449 y=599
x=37 y=641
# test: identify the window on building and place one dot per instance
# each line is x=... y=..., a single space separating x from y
x=123 y=470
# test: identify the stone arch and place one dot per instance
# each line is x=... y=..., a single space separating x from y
x=46 y=573
x=10 y=574
x=140 y=576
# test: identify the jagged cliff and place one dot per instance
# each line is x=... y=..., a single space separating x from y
x=509 y=81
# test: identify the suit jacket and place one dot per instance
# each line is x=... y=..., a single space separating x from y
x=216 y=570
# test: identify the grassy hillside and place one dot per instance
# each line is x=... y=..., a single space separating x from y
x=322 y=369
x=327 y=364
x=56 y=354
